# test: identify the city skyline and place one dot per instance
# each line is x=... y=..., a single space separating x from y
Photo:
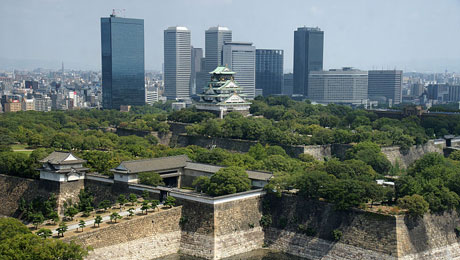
x=409 y=41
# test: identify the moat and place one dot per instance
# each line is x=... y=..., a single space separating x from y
x=260 y=254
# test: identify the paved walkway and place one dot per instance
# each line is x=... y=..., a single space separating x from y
x=89 y=223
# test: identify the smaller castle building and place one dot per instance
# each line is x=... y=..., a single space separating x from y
x=223 y=94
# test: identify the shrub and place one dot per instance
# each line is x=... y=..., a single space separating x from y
x=150 y=178
x=416 y=205
x=266 y=221
x=336 y=234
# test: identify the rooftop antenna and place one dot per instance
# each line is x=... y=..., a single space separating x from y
x=118 y=12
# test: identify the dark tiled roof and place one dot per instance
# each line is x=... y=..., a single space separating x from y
x=62 y=158
x=154 y=164
x=253 y=175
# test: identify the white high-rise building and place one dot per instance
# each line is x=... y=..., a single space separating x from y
x=240 y=57
x=177 y=62
x=215 y=37
x=151 y=95
x=346 y=86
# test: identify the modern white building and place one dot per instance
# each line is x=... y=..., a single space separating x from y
x=177 y=62
x=344 y=86
x=151 y=95
x=215 y=37
x=240 y=57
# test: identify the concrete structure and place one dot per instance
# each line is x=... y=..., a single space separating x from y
x=122 y=48
x=454 y=93
x=240 y=57
x=308 y=56
x=223 y=94
x=215 y=37
x=385 y=86
x=12 y=106
x=177 y=62
x=151 y=95
x=27 y=104
x=345 y=86
x=43 y=103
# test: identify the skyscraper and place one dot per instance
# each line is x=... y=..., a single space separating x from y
x=385 y=86
x=197 y=56
x=215 y=37
x=269 y=71
x=240 y=57
x=177 y=62
x=308 y=56
x=122 y=48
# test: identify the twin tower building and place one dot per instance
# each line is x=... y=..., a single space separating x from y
x=186 y=72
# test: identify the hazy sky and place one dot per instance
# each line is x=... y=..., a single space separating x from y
x=422 y=35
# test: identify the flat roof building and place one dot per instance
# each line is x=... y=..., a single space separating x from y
x=344 y=86
x=385 y=86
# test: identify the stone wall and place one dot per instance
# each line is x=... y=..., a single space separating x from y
x=155 y=235
x=405 y=158
x=301 y=227
x=12 y=189
x=236 y=224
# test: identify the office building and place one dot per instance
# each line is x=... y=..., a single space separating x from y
x=288 y=84
x=385 y=86
x=454 y=93
x=27 y=104
x=197 y=57
x=43 y=103
x=240 y=57
x=12 y=106
x=269 y=71
x=177 y=62
x=123 y=80
x=151 y=95
x=343 y=86
x=308 y=56
x=417 y=90
x=215 y=37
x=438 y=92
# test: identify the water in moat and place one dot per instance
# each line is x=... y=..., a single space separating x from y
x=260 y=254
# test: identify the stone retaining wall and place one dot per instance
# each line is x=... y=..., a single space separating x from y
x=155 y=235
x=405 y=158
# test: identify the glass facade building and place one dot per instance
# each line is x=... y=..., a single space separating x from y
x=269 y=71
x=215 y=37
x=122 y=49
x=385 y=86
x=308 y=56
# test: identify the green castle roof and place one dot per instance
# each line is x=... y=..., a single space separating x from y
x=222 y=70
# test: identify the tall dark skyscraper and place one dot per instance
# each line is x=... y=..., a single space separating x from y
x=308 y=56
x=122 y=48
x=197 y=57
x=385 y=86
x=269 y=71
x=215 y=37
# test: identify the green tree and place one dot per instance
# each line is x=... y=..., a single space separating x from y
x=371 y=154
x=170 y=201
x=145 y=195
x=44 y=233
x=416 y=206
x=10 y=227
x=154 y=204
x=82 y=224
x=150 y=178
x=37 y=219
x=62 y=229
x=70 y=212
x=229 y=180
x=201 y=183
x=145 y=207
x=105 y=204
x=121 y=200
x=114 y=217
x=132 y=199
x=131 y=212
x=97 y=220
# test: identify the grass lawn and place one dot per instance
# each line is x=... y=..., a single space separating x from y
x=21 y=148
